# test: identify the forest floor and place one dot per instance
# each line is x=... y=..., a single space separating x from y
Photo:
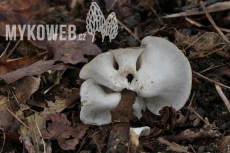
x=40 y=84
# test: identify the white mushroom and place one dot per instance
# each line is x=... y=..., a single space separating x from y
x=96 y=104
x=102 y=70
x=135 y=133
x=138 y=106
x=165 y=76
x=161 y=77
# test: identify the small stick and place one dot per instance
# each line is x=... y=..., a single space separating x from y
x=211 y=68
x=114 y=2
x=21 y=121
x=129 y=31
x=201 y=118
x=3 y=143
x=13 y=49
x=44 y=144
x=155 y=14
x=5 y=50
x=192 y=148
x=213 y=23
x=194 y=22
x=210 y=80
x=223 y=97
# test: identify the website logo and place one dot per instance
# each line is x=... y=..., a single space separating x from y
x=95 y=22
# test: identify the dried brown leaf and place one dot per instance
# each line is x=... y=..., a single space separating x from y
x=12 y=64
x=168 y=117
x=8 y=17
x=60 y=104
x=25 y=87
x=36 y=68
x=61 y=129
x=73 y=51
x=200 y=44
x=27 y=8
x=223 y=144
x=31 y=48
x=32 y=139
x=6 y=119
x=173 y=146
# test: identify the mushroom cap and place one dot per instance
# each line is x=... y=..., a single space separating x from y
x=127 y=59
x=101 y=69
x=96 y=104
x=164 y=77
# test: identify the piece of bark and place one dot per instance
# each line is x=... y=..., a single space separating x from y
x=119 y=138
x=118 y=141
x=124 y=110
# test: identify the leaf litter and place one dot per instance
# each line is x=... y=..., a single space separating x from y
x=40 y=83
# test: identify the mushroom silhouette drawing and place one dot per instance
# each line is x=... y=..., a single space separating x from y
x=95 y=22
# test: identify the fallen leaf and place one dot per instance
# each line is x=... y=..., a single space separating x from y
x=13 y=64
x=6 y=119
x=223 y=144
x=168 y=117
x=100 y=137
x=200 y=44
x=61 y=129
x=31 y=48
x=173 y=146
x=60 y=104
x=32 y=139
x=73 y=52
x=36 y=68
x=25 y=87
x=27 y=8
x=8 y=17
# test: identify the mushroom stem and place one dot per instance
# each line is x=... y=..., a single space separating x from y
x=119 y=134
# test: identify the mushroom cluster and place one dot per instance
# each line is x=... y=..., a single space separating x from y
x=157 y=71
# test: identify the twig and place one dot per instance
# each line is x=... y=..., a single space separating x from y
x=13 y=48
x=211 y=68
x=223 y=97
x=194 y=42
x=112 y=5
x=5 y=50
x=3 y=143
x=213 y=23
x=129 y=31
x=201 y=118
x=20 y=121
x=192 y=148
x=155 y=14
x=194 y=22
x=213 y=51
x=210 y=80
x=44 y=144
